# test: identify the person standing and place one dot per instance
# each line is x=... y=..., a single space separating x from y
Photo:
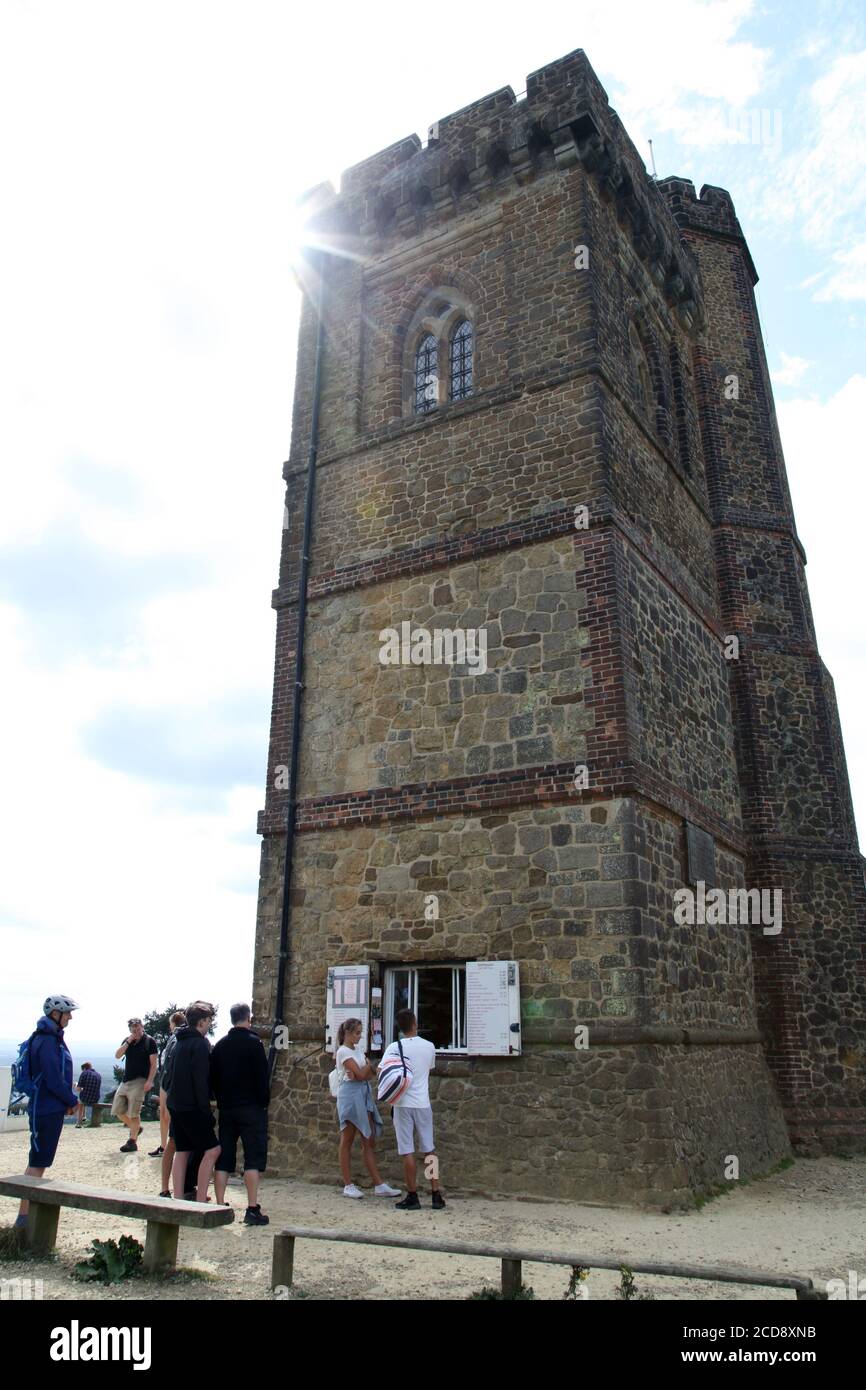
x=189 y=1095
x=48 y=1070
x=239 y=1079
x=89 y=1089
x=139 y=1055
x=413 y=1113
x=165 y=1151
x=356 y=1109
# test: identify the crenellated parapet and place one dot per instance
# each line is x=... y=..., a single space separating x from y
x=471 y=156
x=712 y=212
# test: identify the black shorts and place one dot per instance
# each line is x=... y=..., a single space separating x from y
x=249 y=1123
x=192 y=1129
x=44 y=1138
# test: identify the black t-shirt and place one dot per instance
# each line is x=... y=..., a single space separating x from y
x=137 y=1059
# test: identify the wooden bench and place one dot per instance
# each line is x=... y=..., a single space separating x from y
x=164 y=1216
x=512 y=1260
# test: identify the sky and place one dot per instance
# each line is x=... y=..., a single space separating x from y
x=151 y=160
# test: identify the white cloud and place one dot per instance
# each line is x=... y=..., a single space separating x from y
x=683 y=73
x=820 y=185
x=791 y=370
x=825 y=460
x=847 y=278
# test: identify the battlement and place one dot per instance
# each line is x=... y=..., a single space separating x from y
x=713 y=211
x=479 y=153
x=473 y=156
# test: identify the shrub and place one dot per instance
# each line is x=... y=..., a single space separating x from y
x=112 y=1261
x=579 y=1273
x=628 y=1288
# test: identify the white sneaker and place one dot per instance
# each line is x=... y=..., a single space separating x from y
x=350 y=1190
x=383 y=1190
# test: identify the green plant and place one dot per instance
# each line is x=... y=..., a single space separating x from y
x=628 y=1288
x=112 y=1261
x=579 y=1274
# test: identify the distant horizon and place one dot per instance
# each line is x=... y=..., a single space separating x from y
x=76 y=1044
x=95 y=1046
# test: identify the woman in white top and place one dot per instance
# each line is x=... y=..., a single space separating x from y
x=356 y=1109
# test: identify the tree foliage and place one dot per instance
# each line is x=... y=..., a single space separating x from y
x=157 y=1025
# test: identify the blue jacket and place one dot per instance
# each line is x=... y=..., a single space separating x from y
x=51 y=1069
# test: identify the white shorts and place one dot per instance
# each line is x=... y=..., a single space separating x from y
x=414 y=1129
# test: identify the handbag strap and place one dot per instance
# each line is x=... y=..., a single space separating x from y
x=402 y=1058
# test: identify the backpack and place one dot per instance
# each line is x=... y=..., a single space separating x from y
x=168 y=1063
x=334 y=1081
x=23 y=1080
x=395 y=1077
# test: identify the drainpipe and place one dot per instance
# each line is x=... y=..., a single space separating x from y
x=291 y=809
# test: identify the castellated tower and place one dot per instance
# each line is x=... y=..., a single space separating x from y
x=545 y=420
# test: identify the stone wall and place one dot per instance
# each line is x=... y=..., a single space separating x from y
x=634 y=1123
x=371 y=724
x=582 y=897
x=794 y=793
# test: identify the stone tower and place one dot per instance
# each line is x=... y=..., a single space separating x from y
x=545 y=417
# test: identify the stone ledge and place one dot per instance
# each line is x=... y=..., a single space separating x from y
x=550 y=785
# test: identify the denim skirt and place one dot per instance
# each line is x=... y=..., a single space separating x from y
x=355 y=1104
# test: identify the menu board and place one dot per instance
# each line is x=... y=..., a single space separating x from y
x=492 y=1008
x=348 y=997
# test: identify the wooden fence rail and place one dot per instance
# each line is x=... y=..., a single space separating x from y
x=512 y=1260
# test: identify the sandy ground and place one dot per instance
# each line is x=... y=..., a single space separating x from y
x=809 y=1220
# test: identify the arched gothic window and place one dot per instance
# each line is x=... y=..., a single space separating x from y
x=426 y=375
x=461 y=362
x=439 y=353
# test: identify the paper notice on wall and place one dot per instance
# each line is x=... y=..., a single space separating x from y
x=375 y=1020
x=492 y=1008
x=347 y=997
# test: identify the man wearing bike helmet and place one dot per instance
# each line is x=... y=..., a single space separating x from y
x=52 y=1097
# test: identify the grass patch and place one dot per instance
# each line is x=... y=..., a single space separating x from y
x=13 y=1243
x=203 y=1276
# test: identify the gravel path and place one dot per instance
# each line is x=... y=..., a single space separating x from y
x=807 y=1220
